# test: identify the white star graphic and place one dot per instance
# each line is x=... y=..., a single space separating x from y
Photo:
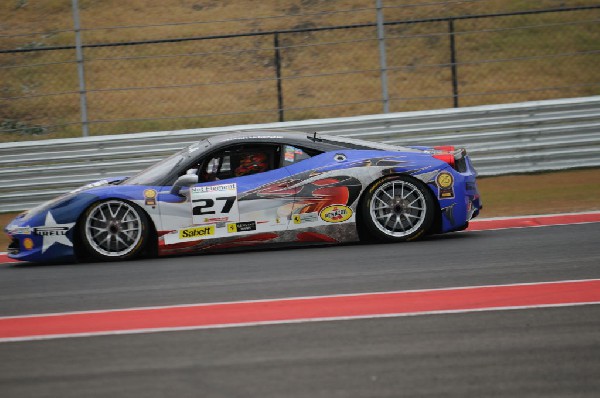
x=61 y=237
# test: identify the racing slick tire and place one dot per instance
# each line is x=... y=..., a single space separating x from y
x=397 y=208
x=113 y=230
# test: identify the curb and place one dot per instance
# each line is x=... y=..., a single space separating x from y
x=4 y=259
x=545 y=220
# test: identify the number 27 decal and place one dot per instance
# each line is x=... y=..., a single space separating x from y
x=207 y=206
x=213 y=202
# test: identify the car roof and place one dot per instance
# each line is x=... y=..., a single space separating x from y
x=310 y=140
x=272 y=137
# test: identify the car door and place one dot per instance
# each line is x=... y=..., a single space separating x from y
x=225 y=205
x=326 y=189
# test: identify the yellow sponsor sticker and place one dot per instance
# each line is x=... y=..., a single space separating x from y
x=197 y=232
x=445 y=180
x=28 y=243
x=297 y=219
x=336 y=213
x=445 y=183
x=231 y=228
x=150 y=197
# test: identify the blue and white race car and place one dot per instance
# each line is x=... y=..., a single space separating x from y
x=256 y=188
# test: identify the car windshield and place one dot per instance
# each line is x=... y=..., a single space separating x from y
x=163 y=170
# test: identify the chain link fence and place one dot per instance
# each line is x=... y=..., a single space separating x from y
x=295 y=66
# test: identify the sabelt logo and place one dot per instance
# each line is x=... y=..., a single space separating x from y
x=198 y=232
x=336 y=213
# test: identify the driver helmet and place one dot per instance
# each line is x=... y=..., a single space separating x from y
x=251 y=163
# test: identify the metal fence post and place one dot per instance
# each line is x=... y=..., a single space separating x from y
x=382 y=57
x=80 y=74
x=278 y=75
x=453 y=63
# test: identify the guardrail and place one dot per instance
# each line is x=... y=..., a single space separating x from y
x=501 y=139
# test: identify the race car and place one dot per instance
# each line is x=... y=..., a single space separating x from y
x=256 y=188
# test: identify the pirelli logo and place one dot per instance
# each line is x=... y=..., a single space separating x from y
x=197 y=232
x=51 y=231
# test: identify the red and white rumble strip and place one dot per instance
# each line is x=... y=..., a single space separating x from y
x=322 y=308
x=4 y=259
x=547 y=220
x=300 y=309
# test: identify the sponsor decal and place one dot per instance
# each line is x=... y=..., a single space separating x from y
x=336 y=213
x=309 y=217
x=51 y=231
x=306 y=217
x=290 y=154
x=197 y=232
x=215 y=202
x=241 y=226
x=216 y=220
x=28 y=243
x=14 y=230
x=150 y=197
x=445 y=184
x=215 y=188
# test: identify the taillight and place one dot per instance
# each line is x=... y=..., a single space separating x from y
x=454 y=157
x=445 y=154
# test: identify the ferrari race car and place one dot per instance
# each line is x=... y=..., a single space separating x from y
x=248 y=188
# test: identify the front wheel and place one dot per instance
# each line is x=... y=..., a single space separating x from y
x=114 y=230
x=398 y=208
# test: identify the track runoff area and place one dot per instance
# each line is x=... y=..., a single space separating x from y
x=319 y=308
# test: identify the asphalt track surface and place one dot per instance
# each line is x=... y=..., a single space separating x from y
x=518 y=352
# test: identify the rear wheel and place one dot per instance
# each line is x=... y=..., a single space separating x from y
x=398 y=208
x=114 y=230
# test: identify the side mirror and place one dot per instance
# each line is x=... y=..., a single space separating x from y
x=185 y=180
